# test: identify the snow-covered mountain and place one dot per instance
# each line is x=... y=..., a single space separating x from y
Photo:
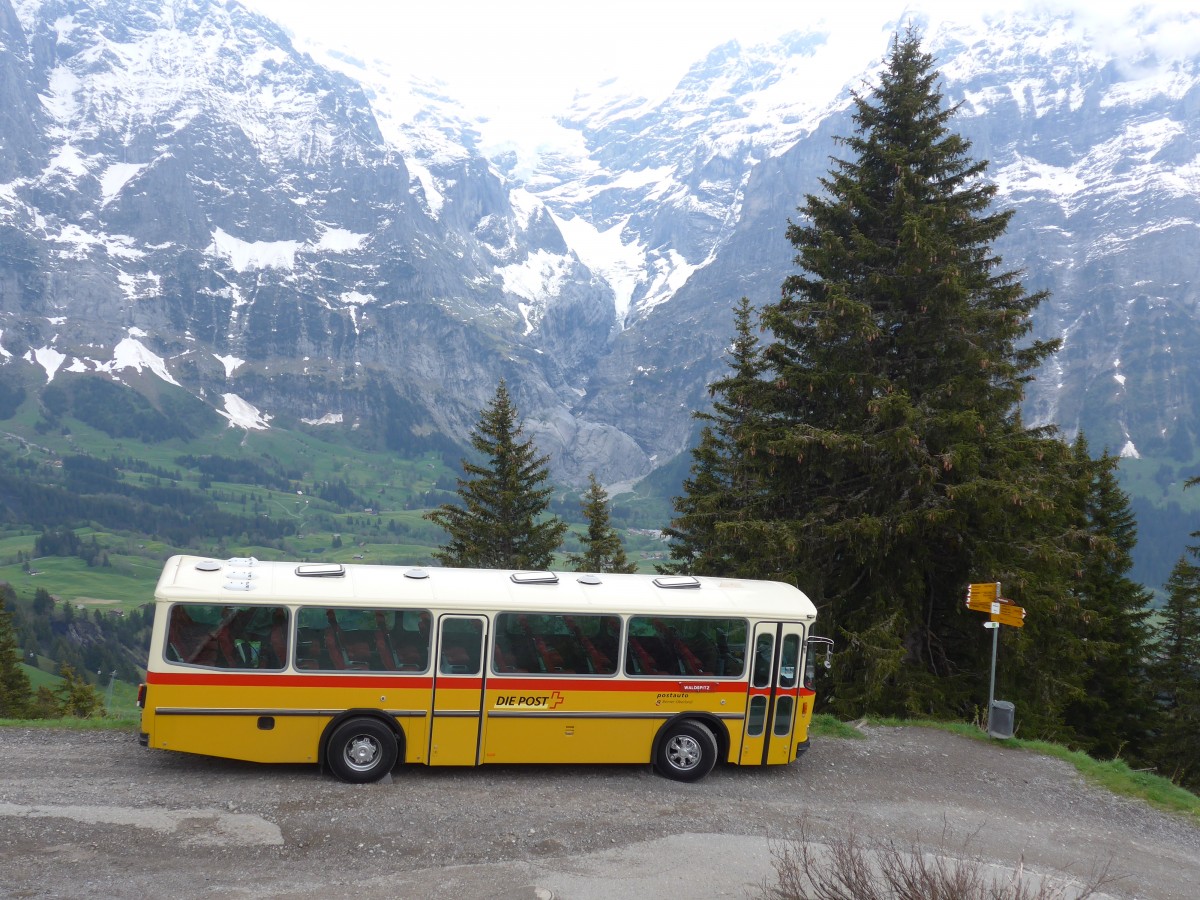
x=1093 y=137
x=177 y=176
x=189 y=203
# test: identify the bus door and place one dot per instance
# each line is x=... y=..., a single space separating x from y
x=458 y=677
x=774 y=687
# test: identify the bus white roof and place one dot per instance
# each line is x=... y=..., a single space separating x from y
x=237 y=581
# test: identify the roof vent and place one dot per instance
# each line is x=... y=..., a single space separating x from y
x=243 y=561
x=321 y=570
x=534 y=578
x=677 y=582
x=416 y=573
x=208 y=565
x=589 y=578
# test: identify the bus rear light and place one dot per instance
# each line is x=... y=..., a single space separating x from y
x=141 y=696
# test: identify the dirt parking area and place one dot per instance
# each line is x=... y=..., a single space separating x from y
x=95 y=814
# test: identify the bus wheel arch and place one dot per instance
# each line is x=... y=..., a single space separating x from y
x=687 y=748
x=361 y=746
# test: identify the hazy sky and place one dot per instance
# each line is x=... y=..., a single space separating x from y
x=536 y=53
x=546 y=49
x=562 y=44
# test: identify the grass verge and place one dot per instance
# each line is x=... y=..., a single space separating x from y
x=106 y=723
x=824 y=725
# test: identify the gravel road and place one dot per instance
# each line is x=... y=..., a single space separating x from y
x=96 y=815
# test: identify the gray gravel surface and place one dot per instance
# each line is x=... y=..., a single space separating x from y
x=96 y=815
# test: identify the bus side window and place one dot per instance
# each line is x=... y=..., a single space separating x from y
x=461 y=640
x=362 y=640
x=686 y=645
x=227 y=637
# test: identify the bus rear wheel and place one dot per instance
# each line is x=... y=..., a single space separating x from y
x=687 y=752
x=361 y=750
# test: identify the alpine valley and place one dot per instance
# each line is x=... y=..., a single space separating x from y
x=196 y=210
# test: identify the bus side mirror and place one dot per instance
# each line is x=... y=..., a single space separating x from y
x=810 y=661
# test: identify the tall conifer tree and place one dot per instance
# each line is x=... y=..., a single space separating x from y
x=724 y=488
x=602 y=547
x=1176 y=676
x=502 y=522
x=1113 y=712
x=899 y=467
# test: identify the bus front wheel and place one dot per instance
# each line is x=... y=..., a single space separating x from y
x=687 y=752
x=361 y=750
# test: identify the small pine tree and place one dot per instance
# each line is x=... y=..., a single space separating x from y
x=603 y=550
x=75 y=697
x=16 y=693
x=501 y=523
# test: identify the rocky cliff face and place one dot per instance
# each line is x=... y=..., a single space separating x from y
x=182 y=185
x=184 y=194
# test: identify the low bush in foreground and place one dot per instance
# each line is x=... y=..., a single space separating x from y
x=844 y=867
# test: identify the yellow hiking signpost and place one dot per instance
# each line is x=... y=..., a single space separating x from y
x=987 y=592
x=985 y=597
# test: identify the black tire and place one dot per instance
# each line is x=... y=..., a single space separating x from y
x=686 y=752
x=361 y=750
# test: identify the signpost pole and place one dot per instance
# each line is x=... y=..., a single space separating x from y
x=985 y=598
x=995 y=626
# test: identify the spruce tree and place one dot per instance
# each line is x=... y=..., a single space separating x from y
x=501 y=523
x=76 y=697
x=1113 y=714
x=1175 y=676
x=603 y=550
x=16 y=694
x=724 y=488
x=899 y=467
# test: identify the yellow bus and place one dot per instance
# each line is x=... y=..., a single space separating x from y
x=359 y=667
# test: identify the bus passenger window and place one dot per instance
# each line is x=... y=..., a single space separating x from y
x=362 y=640
x=227 y=637
x=461 y=640
x=410 y=636
x=555 y=644
x=694 y=646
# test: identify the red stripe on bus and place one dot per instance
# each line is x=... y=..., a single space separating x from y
x=679 y=686
x=246 y=679
x=425 y=682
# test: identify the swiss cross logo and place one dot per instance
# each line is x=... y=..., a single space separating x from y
x=531 y=701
